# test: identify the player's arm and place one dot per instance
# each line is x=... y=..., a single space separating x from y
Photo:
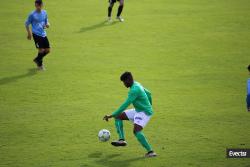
x=47 y=21
x=131 y=97
x=148 y=93
x=27 y=26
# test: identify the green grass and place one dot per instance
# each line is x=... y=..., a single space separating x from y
x=191 y=54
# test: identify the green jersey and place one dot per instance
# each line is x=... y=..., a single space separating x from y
x=139 y=97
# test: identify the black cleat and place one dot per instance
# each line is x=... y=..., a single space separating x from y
x=39 y=65
x=119 y=143
x=150 y=154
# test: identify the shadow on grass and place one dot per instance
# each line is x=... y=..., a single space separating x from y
x=7 y=80
x=109 y=161
x=97 y=26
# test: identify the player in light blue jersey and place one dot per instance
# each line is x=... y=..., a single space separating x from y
x=248 y=90
x=38 y=19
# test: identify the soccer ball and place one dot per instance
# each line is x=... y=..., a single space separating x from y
x=104 y=135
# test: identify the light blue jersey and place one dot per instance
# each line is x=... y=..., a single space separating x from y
x=38 y=21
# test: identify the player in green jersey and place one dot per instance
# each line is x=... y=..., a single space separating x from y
x=140 y=115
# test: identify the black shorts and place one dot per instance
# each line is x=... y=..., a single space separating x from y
x=41 y=42
x=113 y=1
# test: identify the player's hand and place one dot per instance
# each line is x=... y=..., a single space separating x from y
x=47 y=25
x=107 y=117
x=29 y=36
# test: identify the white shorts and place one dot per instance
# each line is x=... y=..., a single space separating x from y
x=139 y=118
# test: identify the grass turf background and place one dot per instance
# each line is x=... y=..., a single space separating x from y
x=191 y=54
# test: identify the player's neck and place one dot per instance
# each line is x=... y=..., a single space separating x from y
x=132 y=84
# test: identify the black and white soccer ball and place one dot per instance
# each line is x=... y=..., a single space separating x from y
x=104 y=135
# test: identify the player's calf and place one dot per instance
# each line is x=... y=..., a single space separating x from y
x=111 y=4
x=142 y=139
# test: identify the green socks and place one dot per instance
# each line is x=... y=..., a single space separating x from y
x=119 y=128
x=142 y=139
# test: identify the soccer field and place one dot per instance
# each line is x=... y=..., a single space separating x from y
x=191 y=54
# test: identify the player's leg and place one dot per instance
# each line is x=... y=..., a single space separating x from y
x=119 y=12
x=119 y=125
x=127 y=115
x=42 y=44
x=119 y=128
x=111 y=4
x=39 y=57
x=140 y=121
x=248 y=102
x=46 y=46
x=46 y=50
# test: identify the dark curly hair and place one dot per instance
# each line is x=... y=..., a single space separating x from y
x=126 y=75
x=39 y=2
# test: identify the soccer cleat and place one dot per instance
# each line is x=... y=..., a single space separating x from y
x=119 y=143
x=109 y=19
x=39 y=65
x=120 y=18
x=41 y=68
x=150 y=154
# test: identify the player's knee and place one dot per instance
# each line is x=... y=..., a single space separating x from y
x=136 y=131
x=121 y=2
x=119 y=117
x=41 y=50
x=137 y=128
x=47 y=50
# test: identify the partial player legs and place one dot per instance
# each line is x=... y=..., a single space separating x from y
x=39 y=59
x=120 y=8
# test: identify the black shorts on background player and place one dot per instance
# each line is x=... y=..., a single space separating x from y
x=113 y=1
x=41 y=42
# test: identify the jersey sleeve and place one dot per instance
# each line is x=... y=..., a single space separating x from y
x=29 y=20
x=148 y=93
x=131 y=97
